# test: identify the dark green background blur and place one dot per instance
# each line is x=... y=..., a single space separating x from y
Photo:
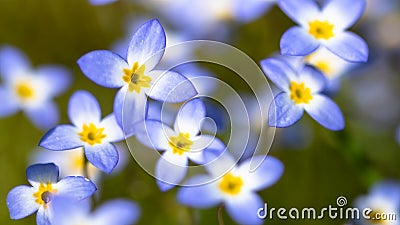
x=335 y=164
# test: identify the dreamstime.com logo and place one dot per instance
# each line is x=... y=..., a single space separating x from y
x=338 y=211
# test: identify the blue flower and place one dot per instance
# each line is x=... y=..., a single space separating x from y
x=137 y=76
x=180 y=144
x=300 y=91
x=24 y=200
x=101 y=2
x=383 y=198
x=88 y=131
x=114 y=212
x=326 y=27
x=233 y=185
x=30 y=90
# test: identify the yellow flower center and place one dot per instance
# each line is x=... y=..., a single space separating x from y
x=135 y=78
x=92 y=134
x=376 y=217
x=180 y=143
x=44 y=195
x=231 y=184
x=299 y=93
x=321 y=29
x=24 y=91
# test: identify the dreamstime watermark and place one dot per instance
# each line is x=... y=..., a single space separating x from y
x=338 y=211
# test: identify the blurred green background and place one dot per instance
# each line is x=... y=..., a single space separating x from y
x=334 y=164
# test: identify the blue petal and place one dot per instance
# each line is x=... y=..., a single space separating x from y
x=348 y=46
x=83 y=108
x=62 y=137
x=76 y=188
x=248 y=10
x=198 y=192
x=8 y=104
x=325 y=112
x=112 y=129
x=43 y=216
x=206 y=144
x=153 y=134
x=269 y=172
x=313 y=79
x=12 y=62
x=21 y=202
x=243 y=209
x=170 y=87
x=170 y=170
x=284 y=112
x=103 y=67
x=147 y=45
x=299 y=11
x=57 y=78
x=190 y=116
x=297 y=42
x=129 y=109
x=344 y=12
x=121 y=212
x=103 y=156
x=66 y=211
x=279 y=72
x=44 y=116
x=42 y=173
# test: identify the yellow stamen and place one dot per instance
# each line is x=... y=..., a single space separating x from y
x=24 y=91
x=44 y=194
x=231 y=184
x=92 y=134
x=180 y=143
x=135 y=78
x=321 y=29
x=299 y=93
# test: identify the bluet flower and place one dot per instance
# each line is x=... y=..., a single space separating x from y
x=136 y=77
x=88 y=131
x=180 y=144
x=24 y=200
x=233 y=185
x=30 y=90
x=300 y=91
x=324 y=27
x=384 y=201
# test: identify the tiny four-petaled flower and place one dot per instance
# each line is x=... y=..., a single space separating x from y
x=301 y=89
x=324 y=27
x=23 y=200
x=88 y=131
x=180 y=144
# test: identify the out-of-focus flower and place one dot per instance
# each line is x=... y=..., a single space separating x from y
x=101 y=2
x=136 y=76
x=24 y=200
x=30 y=90
x=118 y=211
x=88 y=131
x=384 y=201
x=326 y=27
x=233 y=185
x=71 y=163
x=204 y=18
x=300 y=91
x=180 y=144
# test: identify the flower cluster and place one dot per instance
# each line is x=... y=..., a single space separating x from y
x=314 y=56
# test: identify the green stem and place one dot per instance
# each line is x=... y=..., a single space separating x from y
x=220 y=218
